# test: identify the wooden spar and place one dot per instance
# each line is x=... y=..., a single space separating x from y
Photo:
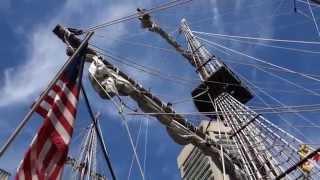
x=79 y=50
x=146 y=21
x=167 y=115
x=74 y=42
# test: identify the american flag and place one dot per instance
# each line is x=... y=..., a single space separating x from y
x=48 y=150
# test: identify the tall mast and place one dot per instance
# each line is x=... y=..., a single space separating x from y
x=180 y=130
x=216 y=76
x=206 y=63
x=266 y=151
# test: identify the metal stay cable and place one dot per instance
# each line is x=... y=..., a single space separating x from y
x=270 y=124
x=120 y=111
x=152 y=71
x=231 y=100
x=313 y=18
x=99 y=133
x=184 y=81
x=268 y=68
x=155 y=72
x=263 y=61
x=268 y=45
x=279 y=102
x=280 y=109
x=146 y=45
x=145 y=146
x=136 y=146
x=135 y=15
x=312 y=4
x=214 y=103
x=258 y=38
x=290 y=82
x=171 y=78
x=229 y=38
x=273 y=111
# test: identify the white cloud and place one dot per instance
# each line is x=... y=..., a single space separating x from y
x=46 y=53
x=23 y=81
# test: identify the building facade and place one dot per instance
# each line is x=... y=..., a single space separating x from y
x=193 y=164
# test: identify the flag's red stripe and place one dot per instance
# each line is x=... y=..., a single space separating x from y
x=74 y=87
x=65 y=100
x=49 y=100
x=62 y=119
x=48 y=158
x=57 y=171
x=55 y=156
x=43 y=135
x=43 y=112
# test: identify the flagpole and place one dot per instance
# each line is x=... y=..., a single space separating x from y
x=100 y=138
x=27 y=117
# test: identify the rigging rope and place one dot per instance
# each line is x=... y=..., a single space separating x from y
x=145 y=45
x=291 y=111
x=156 y=72
x=145 y=146
x=304 y=14
x=175 y=78
x=258 y=38
x=120 y=111
x=136 y=146
x=135 y=15
x=268 y=68
x=214 y=104
x=312 y=4
x=273 y=133
x=219 y=112
x=314 y=19
x=290 y=82
x=99 y=133
x=279 y=102
x=264 y=62
x=187 y=82
x=268 y=45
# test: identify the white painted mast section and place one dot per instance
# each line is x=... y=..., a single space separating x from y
x=206 y=63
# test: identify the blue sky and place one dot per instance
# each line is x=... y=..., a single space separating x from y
x=31 y=55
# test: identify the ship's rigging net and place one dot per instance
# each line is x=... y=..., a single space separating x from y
x=266 y=150
x=85 y=166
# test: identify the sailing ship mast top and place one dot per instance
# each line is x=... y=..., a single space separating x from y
x=216 y=76
x=108 y=78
